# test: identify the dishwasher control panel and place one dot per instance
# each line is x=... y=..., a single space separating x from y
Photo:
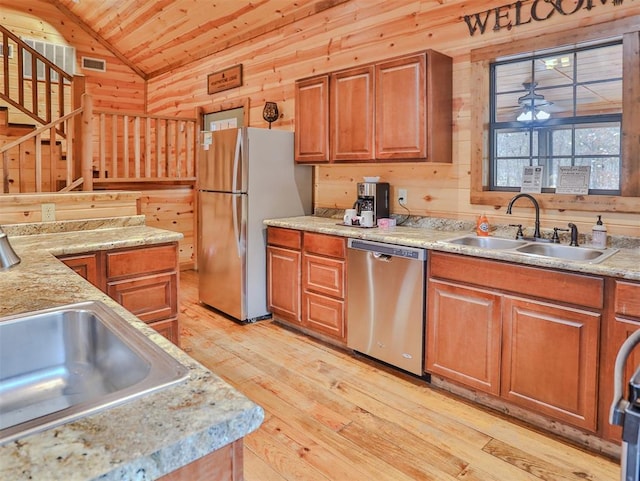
x=415 y=253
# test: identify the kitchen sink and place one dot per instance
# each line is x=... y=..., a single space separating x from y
x=61 y=364
x=487 y=242
x=570 y=253
x=541 y=248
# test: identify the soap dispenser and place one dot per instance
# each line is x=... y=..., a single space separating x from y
x=599 y=234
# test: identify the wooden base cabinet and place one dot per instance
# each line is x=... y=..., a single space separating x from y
x=324 y=285
x=623 y=319
x=284 y=273
x=464 y=334
x=306 y=279
x=539 y=352
x=144 y=280
x=550 y=360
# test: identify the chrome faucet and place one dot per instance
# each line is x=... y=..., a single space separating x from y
x=536 y=232
x=8 y=257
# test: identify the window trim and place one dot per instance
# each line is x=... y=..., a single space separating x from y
x=480 y=116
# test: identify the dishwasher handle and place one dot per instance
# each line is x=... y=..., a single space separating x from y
x=379 y=256
x=390 y=250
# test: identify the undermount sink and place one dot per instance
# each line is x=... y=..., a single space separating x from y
x=570 y=253
x=537 y=248
x=487 y=242
x=61 y=364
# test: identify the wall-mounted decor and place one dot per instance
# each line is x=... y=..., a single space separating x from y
x=270 y=112
x=224 y=79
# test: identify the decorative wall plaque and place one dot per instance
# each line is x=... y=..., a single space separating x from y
x=226 y=79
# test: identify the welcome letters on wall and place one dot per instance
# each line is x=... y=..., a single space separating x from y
x=524 y=12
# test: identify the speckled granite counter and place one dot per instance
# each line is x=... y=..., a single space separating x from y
x=624 y=264
x=144 y=438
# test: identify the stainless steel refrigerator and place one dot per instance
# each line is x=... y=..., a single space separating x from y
x=245 y=175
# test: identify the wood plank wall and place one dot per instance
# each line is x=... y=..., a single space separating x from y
x=362 y=31
x=117 y=89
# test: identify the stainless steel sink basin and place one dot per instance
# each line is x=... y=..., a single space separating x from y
x=540 y=248
x=62 y=364
x=580 y=254
x=486 y=242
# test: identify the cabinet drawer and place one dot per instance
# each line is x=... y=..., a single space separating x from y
x=151 y=298
x=284 y=237
x=324 y=315
x=134 y=262
x=549 y=284
x=627 y=299
x=322 y=275
x=326 y=245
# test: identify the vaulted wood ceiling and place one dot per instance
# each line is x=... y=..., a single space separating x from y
x=154 y=37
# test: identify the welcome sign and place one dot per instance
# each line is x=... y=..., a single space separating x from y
x=524 y=12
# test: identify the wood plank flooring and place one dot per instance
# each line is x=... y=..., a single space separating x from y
x=333 y=416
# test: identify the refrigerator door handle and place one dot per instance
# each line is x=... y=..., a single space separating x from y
x=237 y=212
x=237 y=163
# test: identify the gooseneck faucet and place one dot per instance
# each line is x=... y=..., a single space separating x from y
x=536 y=232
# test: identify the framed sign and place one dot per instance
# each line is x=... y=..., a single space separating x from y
x=226 y=79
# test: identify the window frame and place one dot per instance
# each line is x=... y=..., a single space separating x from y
x=481 y=60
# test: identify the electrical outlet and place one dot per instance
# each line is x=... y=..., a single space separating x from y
x=402 y=196
x=48 y=212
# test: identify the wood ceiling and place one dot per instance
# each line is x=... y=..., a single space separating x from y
x=154 y=37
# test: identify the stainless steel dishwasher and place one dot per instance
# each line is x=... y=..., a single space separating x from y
x=385 y=302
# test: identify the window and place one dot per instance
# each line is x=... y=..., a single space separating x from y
x=557 y=108
x=60 y=55
x=583 y=125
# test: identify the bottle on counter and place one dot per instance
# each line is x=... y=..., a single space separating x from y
x=599 y=234
x=482 y=226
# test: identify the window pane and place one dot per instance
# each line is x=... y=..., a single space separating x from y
x=599 y=98
x=509 y=172
x=507 y=107
x=510 y=76
x=590 y=63
x=555 y=70
x=551 y=177
x=561 y=142
x=599 y=140
x=515 y=143
x=604 y=172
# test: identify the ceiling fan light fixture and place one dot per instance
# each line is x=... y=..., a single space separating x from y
x=531 y=104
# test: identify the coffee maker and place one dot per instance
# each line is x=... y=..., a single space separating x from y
x=373 y=196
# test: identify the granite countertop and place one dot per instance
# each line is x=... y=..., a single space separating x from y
x=624 y=264
x=142 y=439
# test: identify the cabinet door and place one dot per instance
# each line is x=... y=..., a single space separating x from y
x=324 y=315
x=283 y=283
x=463 y=335
x=169 y=328
x=401 y=117
x=323 y=275
x=352 y=115
x=151 y=298
x=312 y=120
x=87 y=266
x=550 y=360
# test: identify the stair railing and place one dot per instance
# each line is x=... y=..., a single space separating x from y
x=66 y=123
x=42 y=99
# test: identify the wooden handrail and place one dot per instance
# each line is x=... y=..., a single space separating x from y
x=39 y=131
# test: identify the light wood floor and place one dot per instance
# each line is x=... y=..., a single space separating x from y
x=333 y=416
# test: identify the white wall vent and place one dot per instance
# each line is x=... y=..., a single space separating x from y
x=94 y=64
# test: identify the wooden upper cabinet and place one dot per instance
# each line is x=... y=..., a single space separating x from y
x=352 y=115
x=395 y=110
x=312 y=120
x=401 y=121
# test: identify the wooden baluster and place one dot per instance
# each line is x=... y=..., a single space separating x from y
x=87 y=147
x=22 y=163
x=34 y=84
x=102 y=146
x=179 y=147
x=69 y=126
x=136 y=146
x=125 y=144
x=39 y=163
x=47 y=93
x=5 y=62
x=159 y=124
x=53 y=160
x=114 y=146
x=147 y=148
x=5 y=172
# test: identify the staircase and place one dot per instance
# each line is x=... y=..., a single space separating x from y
x=54 y=152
